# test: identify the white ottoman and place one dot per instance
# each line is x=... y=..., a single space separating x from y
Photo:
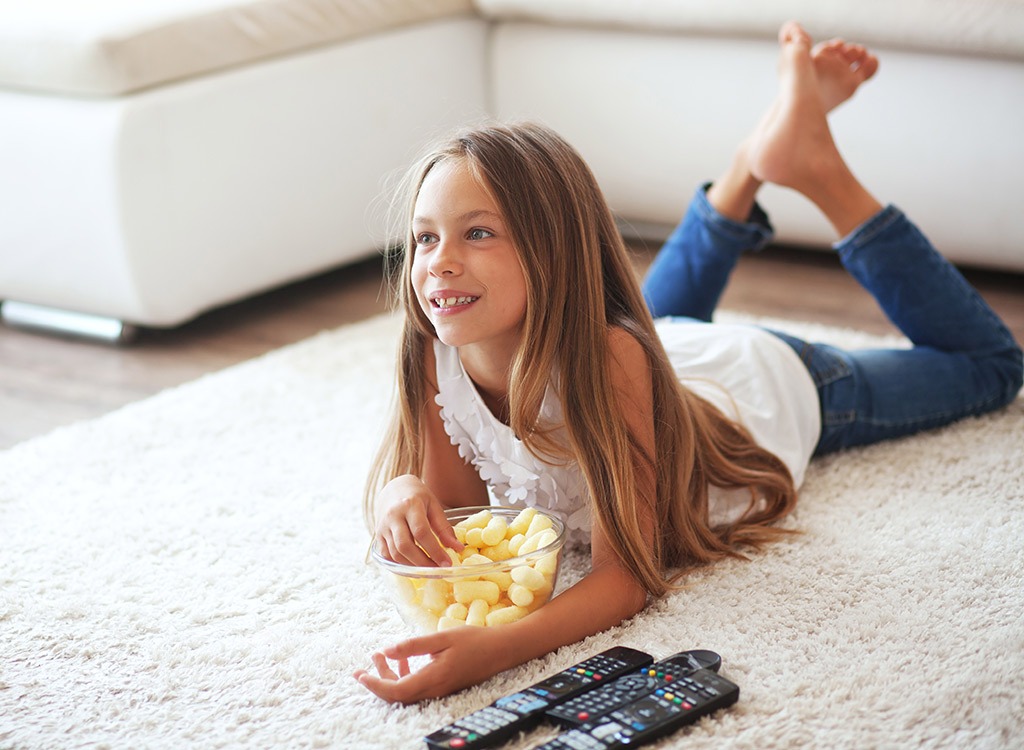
x=158 y=159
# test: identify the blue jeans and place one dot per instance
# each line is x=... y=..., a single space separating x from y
x=963 y=362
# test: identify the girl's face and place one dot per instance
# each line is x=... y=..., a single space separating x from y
x=465 y=271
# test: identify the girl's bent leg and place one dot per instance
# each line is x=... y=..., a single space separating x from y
x=964 y=361
x=920 y=291
x=692 y=268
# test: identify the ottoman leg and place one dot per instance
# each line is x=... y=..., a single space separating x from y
x=63 y=322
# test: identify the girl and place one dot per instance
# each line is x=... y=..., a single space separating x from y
x=530 y=365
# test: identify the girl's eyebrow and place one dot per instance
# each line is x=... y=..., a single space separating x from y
x=468 y=216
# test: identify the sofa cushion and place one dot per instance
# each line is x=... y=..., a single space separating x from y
x=110 y=47
x=984 y=27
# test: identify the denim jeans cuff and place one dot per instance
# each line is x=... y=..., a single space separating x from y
x=870 y=229
x=752 y=235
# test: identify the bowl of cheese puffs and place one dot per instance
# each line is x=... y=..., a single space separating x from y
x=507 y=569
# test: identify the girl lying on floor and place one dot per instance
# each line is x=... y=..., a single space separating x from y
x=529 y=350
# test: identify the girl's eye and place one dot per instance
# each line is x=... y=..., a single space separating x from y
x=424 y=238
x=479 y=234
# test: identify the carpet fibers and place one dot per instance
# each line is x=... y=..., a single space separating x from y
x=188 y=571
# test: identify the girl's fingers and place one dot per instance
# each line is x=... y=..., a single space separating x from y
x=411 y=538
x=422 y=645
x=402 y=548
x=443 y=528
x=408 y=689
x=401 y=687
x=422 y=525
x=380 y=663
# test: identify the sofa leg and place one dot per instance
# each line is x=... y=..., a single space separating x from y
x=66 y=323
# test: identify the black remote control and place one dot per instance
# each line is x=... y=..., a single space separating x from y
x=594 y=704
x=652 y=716
x=494 y=724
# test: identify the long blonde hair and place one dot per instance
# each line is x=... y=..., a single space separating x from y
x=581 y=283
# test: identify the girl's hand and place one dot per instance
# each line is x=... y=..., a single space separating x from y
x=459 y=657
x=413 y=529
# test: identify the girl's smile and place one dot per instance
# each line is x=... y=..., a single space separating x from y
x=447 y=301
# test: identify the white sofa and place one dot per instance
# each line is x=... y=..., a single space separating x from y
x=161 y=159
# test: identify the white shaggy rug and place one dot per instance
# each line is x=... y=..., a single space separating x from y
x=188 y=572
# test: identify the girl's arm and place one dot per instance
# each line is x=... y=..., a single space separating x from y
x=467 y=655
x=607 y=595
x=409 y=510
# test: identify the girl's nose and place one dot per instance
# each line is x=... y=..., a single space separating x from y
x=445 y=260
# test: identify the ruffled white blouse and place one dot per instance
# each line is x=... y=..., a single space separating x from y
x=748 y=373
x=515 y=476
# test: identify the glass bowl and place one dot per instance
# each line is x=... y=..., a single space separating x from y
x=507 y=570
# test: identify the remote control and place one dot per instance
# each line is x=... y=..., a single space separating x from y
x=594 y=704
x=494 y=724
x=652 y=716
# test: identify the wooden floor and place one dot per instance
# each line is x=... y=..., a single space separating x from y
x=46 y=382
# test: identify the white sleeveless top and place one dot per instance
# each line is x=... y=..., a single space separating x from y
x=749 y=374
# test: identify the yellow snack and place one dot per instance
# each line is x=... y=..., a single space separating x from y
x=456 y=611
x=468 y=591
x=546 y=537
x=494 y=532
x=526 y=576
x=478 y=520
x=505 y=615
x=530 y=545
x=445 y=622
x=520 y=595
x=538 y=541
x=515 y=543
x=498 y=552
x=538 y=524
x=406 y=589
x=436 y=595
x=477 y=613
x=501 y=577
x=521 y=522
x=475 y=537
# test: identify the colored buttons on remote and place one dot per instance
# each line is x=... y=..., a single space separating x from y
x=596 y=703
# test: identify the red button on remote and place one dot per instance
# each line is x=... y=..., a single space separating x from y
x=457 y=742
x=582 y=716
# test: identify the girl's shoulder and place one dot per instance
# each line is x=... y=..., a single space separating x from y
x=629 y=367
x=625 y=349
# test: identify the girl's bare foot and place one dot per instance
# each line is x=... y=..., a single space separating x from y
x=841 y=68
x=793 y=142
x=793 y=146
